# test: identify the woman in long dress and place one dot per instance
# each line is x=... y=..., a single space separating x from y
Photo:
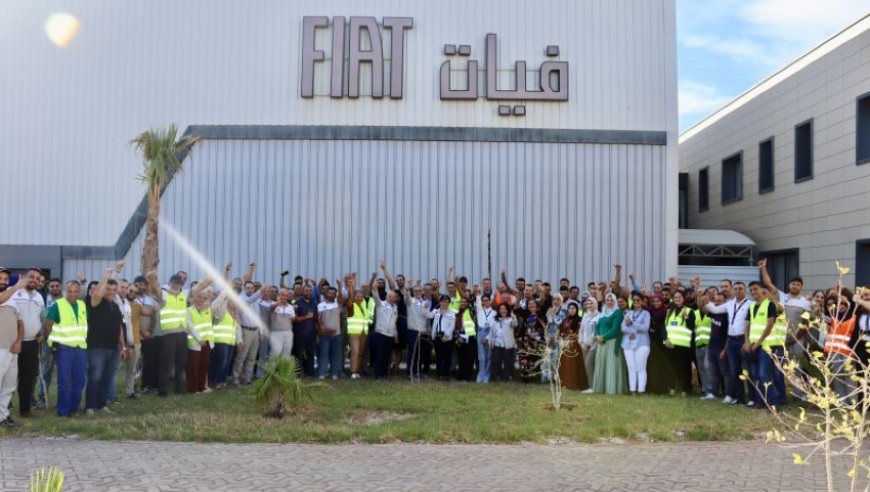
x=572 y=372
x=587 y=338
x=610 y=374
x=660 y=368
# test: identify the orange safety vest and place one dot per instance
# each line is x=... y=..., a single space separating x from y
x=839 y=335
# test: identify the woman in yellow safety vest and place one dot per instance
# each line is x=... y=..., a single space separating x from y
x=679 y=325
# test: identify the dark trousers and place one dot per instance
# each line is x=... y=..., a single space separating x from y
x=304 y=348
x=100 y=377
x=502 y=363
x=419 y=353
x=28 y=370
x=443 y=356
x=718 y=371
x=197 y=368
x=382 y=352
x=150 y=362
x=733 y=347
x=681 y=358
x=173 y=353
x=466 y=352
x=218 y=362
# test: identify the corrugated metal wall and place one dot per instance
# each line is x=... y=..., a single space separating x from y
x=67 y=114
x=323 y=208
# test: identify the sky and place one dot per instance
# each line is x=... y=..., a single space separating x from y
x=725 y=46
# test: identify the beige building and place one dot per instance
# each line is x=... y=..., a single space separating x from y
x=787 y=163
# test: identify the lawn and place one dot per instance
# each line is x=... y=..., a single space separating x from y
x=432 y=412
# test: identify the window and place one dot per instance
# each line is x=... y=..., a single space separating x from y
x=704 y=190
x=862 y=121
x=765 y=166
x=782 y=266
x=732 y=178
x=684 y=201
x=803 y=151
x=862 y=263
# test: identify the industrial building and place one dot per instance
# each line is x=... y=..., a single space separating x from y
x=540 y=137
x=787 y=163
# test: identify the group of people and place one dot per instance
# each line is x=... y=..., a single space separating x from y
x=605 y=337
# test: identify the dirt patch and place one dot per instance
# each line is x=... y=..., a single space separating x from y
x=377 y=417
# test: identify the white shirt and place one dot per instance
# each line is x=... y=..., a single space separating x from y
x=245 y=319
x=738 y=314
x=794 y=308
x=443 y=324
x=127 y=312
x=31 y=308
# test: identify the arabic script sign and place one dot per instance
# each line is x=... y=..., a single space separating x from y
x=552 y=83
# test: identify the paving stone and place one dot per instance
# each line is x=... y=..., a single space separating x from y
x=167 y=466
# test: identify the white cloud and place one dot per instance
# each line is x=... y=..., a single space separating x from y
x=741 y=50
x=698 y=98
x=803 y=21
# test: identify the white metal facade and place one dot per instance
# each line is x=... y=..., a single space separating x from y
x=823 y=217
x=69 y=113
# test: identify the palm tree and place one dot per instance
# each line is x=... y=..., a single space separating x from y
x=162 y=152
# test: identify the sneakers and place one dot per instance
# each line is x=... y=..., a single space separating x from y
x=728 y=400
x=587 y=392
x=89 y=412
x=8 y=423
x=106 y=410
x=335 y=378
x=750 y=404
x=709 y=396
x=321 y=378
x=207 y=390
x=354 y=376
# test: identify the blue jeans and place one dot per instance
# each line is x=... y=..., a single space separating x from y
x=735 y=365
x=72 y=368
x=262 y=357
x=329 y=350
x=218 y=363
x=752 y=362
x=770 y=378
x=718 y=371
x=114 y=366
x=484 y=356
x=99 y=377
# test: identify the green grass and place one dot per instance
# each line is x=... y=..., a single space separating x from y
x=432 y=412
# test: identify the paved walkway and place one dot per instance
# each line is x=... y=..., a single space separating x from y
x=157 y=466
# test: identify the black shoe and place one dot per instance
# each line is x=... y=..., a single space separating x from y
x=132 y=396
x=8 y=423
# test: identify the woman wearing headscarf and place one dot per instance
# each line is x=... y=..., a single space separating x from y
x=635 y=344
x=555 y=315
x=610 y=376
x=660 y=369
x=587 y=337
x=572 y=372
x=679 y=325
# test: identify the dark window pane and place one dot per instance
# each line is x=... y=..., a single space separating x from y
x=863 y=130
x=803 y=151
x=732 y=179
x=765 y=166
x=703 y=190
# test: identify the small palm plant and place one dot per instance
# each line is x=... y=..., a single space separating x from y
x=161 y=151
x=281 y=387
x=47 y=480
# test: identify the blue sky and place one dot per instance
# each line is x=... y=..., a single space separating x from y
x=726 y=46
